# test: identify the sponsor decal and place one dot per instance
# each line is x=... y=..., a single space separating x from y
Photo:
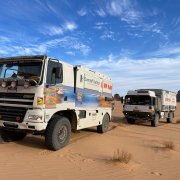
x=59 y=90
x=91 y=81
x=39 y=101
x=168 y=99
x=106 y=86
x=50 y=97
x=79 y=96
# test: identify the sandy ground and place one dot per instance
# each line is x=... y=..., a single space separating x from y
x=90 y=155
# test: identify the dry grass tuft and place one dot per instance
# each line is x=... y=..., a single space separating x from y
x=178 y=121
x=121 y=124
x=169 y=145
x=122 y=156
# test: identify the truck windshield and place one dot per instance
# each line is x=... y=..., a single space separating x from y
x=21 y=70
x=137 y=100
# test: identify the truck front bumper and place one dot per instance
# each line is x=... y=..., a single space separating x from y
x=138 y=115
x=23 y=126
x=33 y=121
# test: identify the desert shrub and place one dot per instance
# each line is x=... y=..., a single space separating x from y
x=178 y=121
x=122 y=156
x=169 y=145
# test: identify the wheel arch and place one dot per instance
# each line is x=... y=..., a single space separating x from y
x=108 y=115
x=70 y=115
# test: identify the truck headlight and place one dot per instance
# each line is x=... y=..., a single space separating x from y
x=34 y=117
x=26 y=84
x=4 y=84
x=13 y=84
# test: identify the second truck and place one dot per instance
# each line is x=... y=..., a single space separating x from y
x=149 y=104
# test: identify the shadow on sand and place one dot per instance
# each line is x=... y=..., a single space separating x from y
x=33 y=141
x=122 y=120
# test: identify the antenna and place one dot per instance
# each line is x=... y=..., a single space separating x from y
x=46 y=51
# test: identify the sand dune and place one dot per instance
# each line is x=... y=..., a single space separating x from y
x=90 y=155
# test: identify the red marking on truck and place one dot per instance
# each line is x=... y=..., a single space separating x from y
x=168 y=99
x=106 y=86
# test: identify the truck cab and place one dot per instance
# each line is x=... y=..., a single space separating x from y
x=139 y=105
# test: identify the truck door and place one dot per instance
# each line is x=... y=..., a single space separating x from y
x=79 y=87
x=54 y=77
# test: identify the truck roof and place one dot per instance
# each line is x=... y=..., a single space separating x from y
x=42 y=57
x=95 y=72
x=159 y=91
x=142 y=92
x=14 y=58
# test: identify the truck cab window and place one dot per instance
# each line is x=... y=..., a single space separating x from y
x=54 y=72
x=153 y=101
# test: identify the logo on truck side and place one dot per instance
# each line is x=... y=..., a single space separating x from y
x=91 y=81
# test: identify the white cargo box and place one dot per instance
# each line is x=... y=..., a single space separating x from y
x=168 y=98
x=94 y=81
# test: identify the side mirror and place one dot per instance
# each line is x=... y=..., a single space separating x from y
x=58 y=72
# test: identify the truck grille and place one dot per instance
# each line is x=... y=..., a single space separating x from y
x=12 y=114
x=19 y=99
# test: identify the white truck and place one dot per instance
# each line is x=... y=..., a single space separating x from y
x=149 y=104
x=45 y=96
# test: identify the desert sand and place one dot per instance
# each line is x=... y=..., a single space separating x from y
x=91 y=155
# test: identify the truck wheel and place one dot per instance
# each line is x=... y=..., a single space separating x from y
x=58 y=133
x=105 y=124
x=170 y=118
x=155 y=121
x=9 y=136
x=130 y=121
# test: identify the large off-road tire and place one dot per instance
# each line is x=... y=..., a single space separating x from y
x=58 y=133
x=170 y=117
x=155 y=120
x=9 y=136
x=105 y=124
x=130 y=121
